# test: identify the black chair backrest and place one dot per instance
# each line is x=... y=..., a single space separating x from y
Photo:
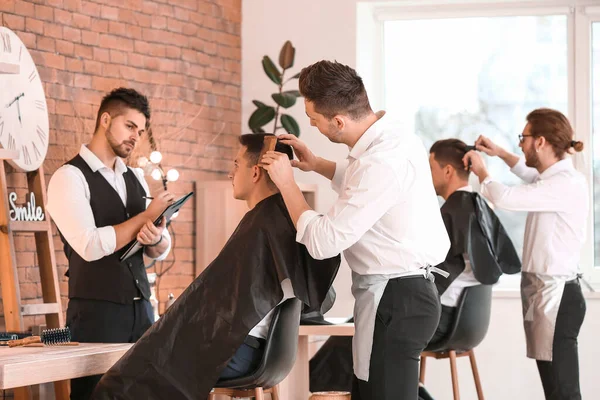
x=280 y=350
x=471 y=321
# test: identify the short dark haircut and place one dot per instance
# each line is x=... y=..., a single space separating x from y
x=122 y=98
x=451 y=152
x=556 y=128
x=334 y=89
x=254 y=144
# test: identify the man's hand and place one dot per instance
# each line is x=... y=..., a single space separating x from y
x=279 y=168
x=151 y=234
x=477 y=166
x=486 y=145
x=158 y=205
x=307 y=161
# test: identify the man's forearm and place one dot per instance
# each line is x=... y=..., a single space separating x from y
x=325 y=167
x=128 y=230
x=294 y=201
x=509 y=158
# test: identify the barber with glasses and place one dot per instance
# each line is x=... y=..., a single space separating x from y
x=555 y=195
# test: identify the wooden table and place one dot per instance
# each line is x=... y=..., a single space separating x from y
x=296 y=385
x=24 y=366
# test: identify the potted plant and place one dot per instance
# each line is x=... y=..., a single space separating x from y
x=265 y=114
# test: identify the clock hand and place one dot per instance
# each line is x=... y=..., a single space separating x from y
x=19 y=113
x=15 y=99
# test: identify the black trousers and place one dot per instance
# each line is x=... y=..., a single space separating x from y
x=95 y=321
x=560 y=377
x=406 y=319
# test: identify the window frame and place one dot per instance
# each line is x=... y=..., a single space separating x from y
x=580 y=17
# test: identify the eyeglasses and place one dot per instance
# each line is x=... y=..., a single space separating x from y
x=522 y=137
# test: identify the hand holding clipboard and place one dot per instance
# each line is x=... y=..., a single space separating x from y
x=167 y=214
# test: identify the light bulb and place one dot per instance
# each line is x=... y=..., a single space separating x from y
x=155 y=157
x=156 y=175
x=172 y=175
x=142 y=162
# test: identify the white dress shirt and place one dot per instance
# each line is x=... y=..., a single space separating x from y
x=387 y=219
x=451 y=295
x=69 y=206
x=558 y=205
x=261 y=330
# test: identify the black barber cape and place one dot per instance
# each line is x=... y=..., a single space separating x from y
x=181 y=356
x=475 y=230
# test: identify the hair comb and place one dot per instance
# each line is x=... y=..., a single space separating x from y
x=49 y=337
x=269 y=143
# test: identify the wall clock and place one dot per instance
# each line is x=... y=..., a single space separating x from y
x=23 y=111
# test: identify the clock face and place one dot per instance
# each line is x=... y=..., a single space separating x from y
x=23 y=111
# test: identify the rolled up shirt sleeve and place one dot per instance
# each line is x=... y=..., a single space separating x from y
x=69 y=206
x=370 y=191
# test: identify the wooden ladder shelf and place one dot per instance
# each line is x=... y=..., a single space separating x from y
x=11 y=298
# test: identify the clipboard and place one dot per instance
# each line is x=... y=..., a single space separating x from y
x=168 y=214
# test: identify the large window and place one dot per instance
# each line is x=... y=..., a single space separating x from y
x=465 y=77
x=596 y=136
x=478 y=68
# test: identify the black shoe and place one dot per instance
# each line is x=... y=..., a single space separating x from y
x=424 y=394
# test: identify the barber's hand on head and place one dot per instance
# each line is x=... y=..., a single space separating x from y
x=307 y=161
x=158 y=205
x=486 y=145
x=150 y=234
x=279 y=168
x=475 y=160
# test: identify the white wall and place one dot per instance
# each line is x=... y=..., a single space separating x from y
x=326 y=29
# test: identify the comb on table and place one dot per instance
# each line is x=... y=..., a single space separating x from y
x=50 y=337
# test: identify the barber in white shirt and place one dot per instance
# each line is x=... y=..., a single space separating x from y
x=386 y=221
x=556 y=197
x=99 y=206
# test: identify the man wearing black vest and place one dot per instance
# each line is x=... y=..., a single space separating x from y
x=99 y=206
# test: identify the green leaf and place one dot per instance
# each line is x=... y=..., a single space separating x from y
x=294 y=93
x=296 y=76
x=284 y=100
x=260 y=117
x=290 y=124
x=259 y=104
x=286 y=55
x=271 y=70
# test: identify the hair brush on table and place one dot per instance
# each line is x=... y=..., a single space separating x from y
x=49 y=337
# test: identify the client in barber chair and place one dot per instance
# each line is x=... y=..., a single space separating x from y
x=480 y=252
x=218 y=326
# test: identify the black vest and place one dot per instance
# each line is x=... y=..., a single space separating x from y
x=108 y=278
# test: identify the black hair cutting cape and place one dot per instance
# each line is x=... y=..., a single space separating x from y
x=475 y=230
x=181 y=356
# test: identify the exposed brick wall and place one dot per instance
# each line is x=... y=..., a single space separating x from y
x=183 y=54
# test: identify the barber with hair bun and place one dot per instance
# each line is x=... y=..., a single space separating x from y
x=555 y=195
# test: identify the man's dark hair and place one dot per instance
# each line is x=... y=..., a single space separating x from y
x=254 y=144
x=334 y=89
x=119 y=99
x=451 y=151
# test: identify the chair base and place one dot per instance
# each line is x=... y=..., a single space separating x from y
x=452 y=355
x=257 y=393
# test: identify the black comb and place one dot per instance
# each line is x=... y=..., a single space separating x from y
x=469 y=148
x=50 y=337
